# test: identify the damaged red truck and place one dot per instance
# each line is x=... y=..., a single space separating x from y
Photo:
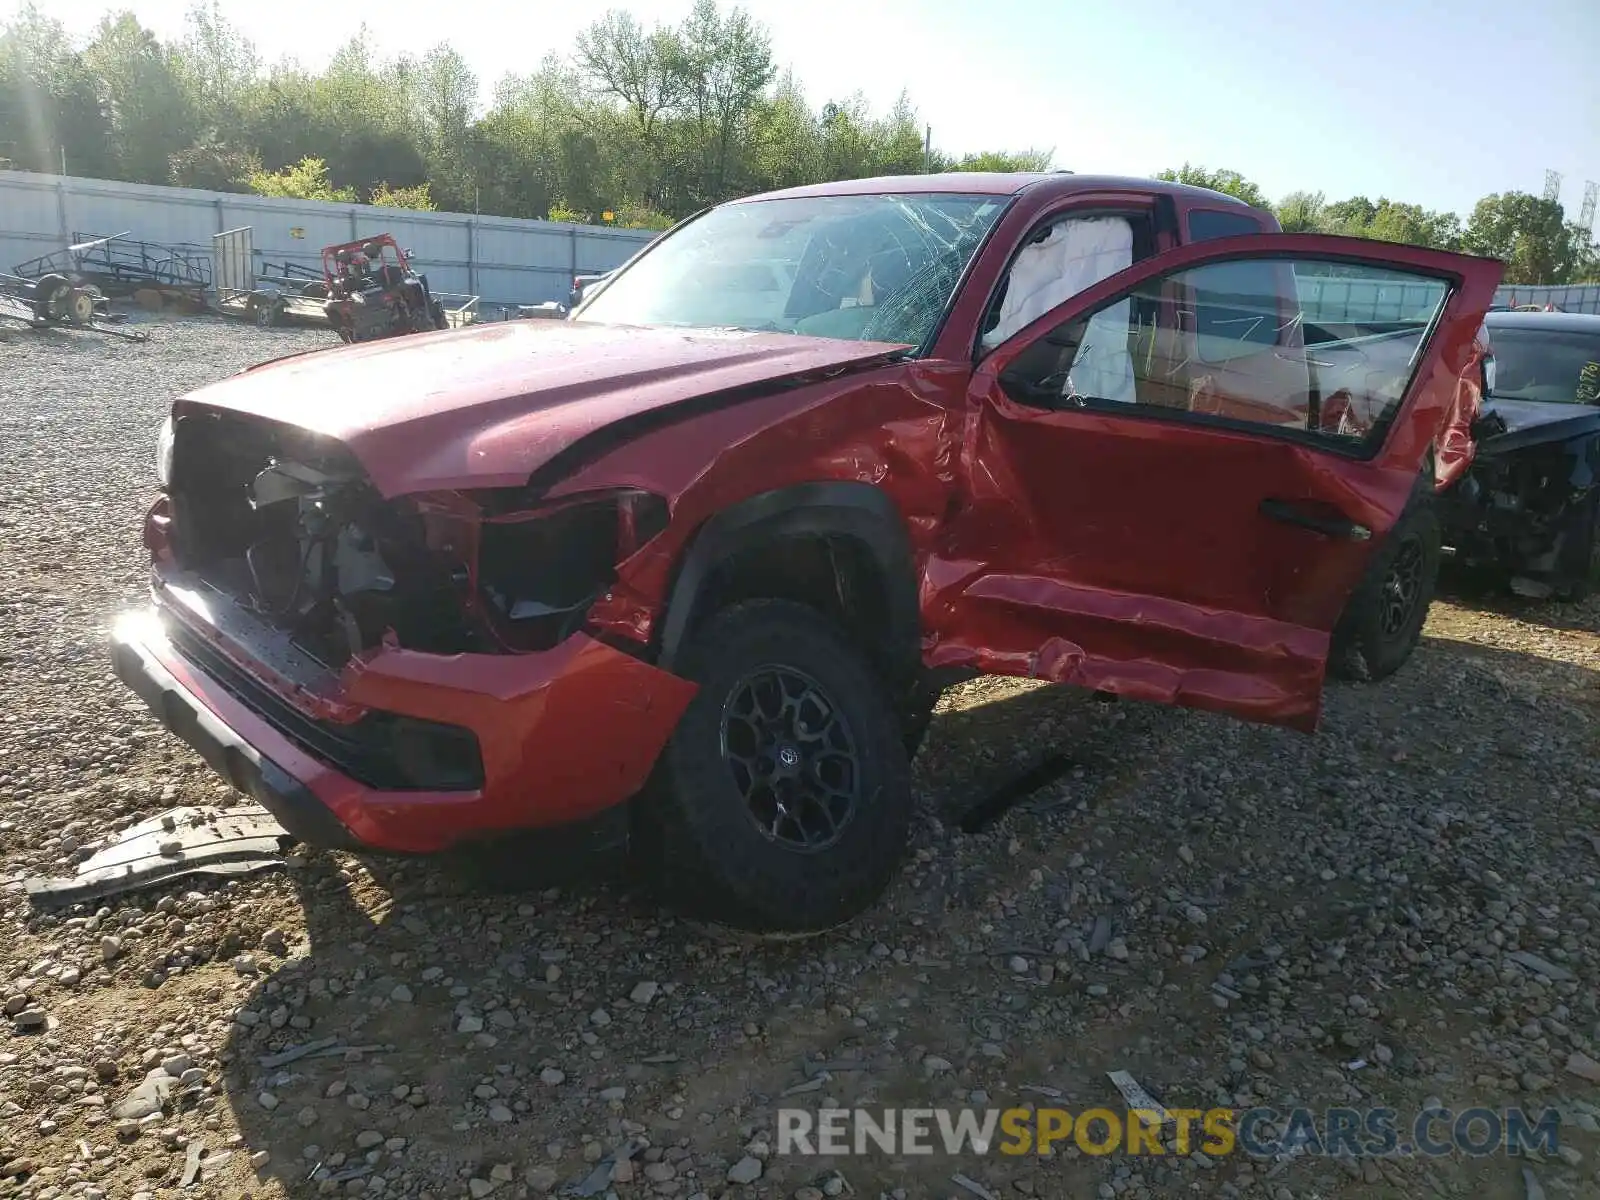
x=703 y=555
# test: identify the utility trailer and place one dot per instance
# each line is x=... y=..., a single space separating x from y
x=54 y=300
x=283 y=295
x=460 y=309
x=120 y=266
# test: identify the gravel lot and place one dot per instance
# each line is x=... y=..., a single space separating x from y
x=1231 y=913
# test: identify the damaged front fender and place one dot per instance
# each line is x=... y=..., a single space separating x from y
x=564 y=734
x=1530 y=505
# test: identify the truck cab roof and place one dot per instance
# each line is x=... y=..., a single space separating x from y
x=993 y=183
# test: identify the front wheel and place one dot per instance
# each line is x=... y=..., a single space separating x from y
x=783 y=801
x=1383 y=621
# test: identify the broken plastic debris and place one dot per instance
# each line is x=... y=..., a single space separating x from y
x=1355 y=1064
x=599 y=1179
x=181 y=841
x=1133 y=1092
x=1542 y=966
x=973 y=1186
x=192 y=1162
x=295 y=1053
x=815 y=1084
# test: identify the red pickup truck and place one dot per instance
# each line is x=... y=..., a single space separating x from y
x=703 y=555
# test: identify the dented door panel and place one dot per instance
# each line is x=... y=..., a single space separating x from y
x=1133 y=551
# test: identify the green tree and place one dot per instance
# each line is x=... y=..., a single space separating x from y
x=384 y=196
x=217 y=63
x=148 y=113
x=209 y=163
x=726 y=67
x=305 y=180
x=1303 y=212
x=1228 y=182
x=785 y=140
x=445 y=95
x=1004 y=160
x=1414 y=225
x=650 y=123
x=1529 y=234
x=1351 y=217
x=50 y=102
x=646 y=70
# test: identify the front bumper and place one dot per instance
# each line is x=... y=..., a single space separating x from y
x=564 y=735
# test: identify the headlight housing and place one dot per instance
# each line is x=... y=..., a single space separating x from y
x=164 y=452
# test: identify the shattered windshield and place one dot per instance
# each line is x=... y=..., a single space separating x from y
x=877 y=268
x=1556 y=366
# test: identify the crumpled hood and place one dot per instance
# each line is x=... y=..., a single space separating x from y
x=1535 y=422
x=486 y=406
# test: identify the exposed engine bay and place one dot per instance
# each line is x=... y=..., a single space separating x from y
x=1530 y=505
x=293 y=531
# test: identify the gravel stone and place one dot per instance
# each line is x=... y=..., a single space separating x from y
x=644 y=991
x=1413 y=885
x=746 y=1170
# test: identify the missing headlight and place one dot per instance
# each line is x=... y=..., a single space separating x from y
x=539 y=574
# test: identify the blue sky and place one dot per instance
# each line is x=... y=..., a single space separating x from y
x=1436 y=102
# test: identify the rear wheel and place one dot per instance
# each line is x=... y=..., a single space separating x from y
x=783 y=801
x=1383 y=621
x=267 y=312
x=79 y=306
x=1580 y=557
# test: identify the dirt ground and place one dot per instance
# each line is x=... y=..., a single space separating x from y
x=1233 y=914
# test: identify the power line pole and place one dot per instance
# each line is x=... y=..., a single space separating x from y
x=927 y=150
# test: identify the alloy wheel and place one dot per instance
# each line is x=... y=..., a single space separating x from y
x=793 y=757
x=1401 y=588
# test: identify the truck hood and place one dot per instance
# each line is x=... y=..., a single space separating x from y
x=1535 y=423
x=488 y=405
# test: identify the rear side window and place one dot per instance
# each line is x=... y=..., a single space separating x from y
x=1208 y=223
x=1215 y=314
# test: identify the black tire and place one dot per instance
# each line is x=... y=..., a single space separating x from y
x=48 y=291
x=1580 y=557
x=699 y=817
x=440 y=319
x=78 y=306
x=916 y=715
x=267 y=312
x=1383 y=620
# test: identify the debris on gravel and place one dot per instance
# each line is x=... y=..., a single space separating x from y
x=1401 y=910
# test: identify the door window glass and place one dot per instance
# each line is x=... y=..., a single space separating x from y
x=1268 y=348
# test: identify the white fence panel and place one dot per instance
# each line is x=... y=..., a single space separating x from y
x=505 y=260
x=1575 y=297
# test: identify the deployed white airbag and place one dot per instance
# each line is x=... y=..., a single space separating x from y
x=1076 y=254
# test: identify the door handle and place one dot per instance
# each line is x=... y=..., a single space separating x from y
x=1335 y=527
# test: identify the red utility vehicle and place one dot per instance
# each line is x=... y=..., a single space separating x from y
x=373 y=292
x=713 y=545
